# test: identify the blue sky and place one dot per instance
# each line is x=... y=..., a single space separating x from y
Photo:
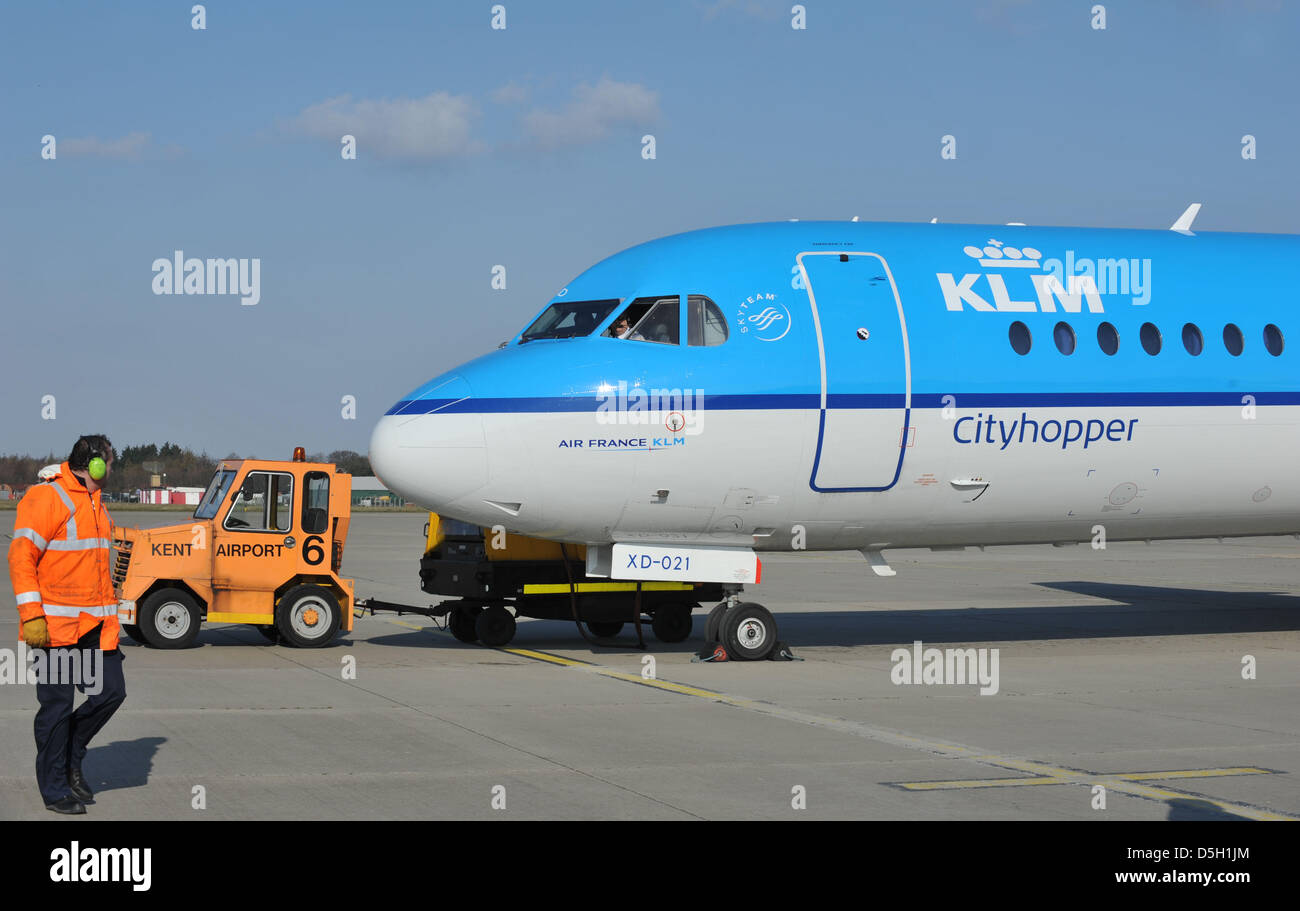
x=522 y=147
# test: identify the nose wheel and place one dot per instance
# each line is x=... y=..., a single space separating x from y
x=746 y=630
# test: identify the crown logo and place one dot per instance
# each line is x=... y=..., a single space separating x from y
x=997 y=255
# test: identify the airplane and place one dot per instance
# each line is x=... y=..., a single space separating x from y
x=693 y=402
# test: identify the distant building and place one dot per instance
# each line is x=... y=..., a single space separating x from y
x=162 y=496
x=370 y=491
x=190 y=496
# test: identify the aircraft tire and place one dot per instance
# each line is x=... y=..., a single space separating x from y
x=495 y=626
x=672 y=622
x=460 y=622
x=713 y=625
x=748 y=632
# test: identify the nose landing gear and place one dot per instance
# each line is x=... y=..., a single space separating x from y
x=741 y=631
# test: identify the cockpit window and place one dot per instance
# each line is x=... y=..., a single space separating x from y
x=649 y=319
x=705 y=323
x=569 y=319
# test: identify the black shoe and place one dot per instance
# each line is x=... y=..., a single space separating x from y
x=80 y=790
x=69 y=806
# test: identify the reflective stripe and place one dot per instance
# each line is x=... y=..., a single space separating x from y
x=72 y=510
x=32 y=536
x=29 y=597
x=96 y=610
x=81 y=544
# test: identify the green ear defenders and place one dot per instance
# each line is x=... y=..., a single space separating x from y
x=97 y=468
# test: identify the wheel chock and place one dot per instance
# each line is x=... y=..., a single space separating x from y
x=716 y=651
x=712 y=651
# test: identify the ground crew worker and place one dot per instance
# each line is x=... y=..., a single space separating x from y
x=60 y=564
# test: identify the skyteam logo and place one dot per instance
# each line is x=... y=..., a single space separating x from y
x=1054 y=284
x=764 y=317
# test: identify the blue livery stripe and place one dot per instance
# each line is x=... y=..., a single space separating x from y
x=812 y=401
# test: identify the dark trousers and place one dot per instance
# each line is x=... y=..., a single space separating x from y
x=62 y=735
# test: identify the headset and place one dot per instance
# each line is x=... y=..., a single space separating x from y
x=96 y=465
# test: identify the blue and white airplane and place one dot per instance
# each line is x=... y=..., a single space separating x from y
x=696 y=400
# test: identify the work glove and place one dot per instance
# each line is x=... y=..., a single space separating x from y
x=36 y=633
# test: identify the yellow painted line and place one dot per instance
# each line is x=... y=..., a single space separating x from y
x=241 y=618
x=617 y=675
x=664 y=685
x=543 y=656
x=974 y=783
x=562 y=588
x=1194 y=773
x=1041 y=772
x=1051 y=779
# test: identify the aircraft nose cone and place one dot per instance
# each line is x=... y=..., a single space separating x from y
x=430 y=448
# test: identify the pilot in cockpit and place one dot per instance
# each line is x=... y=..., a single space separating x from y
x=622 y=327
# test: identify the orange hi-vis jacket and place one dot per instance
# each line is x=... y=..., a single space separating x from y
x=61 y=561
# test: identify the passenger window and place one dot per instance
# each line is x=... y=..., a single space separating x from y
x=705 y=323
x=1020 y=338
x=1064 y=337
x=316 y=503
x=264 y=502
x=1150 y=337
x=1273 y=339
x=1192 y=340
x=1232 y=340
x=1108 y=338
x=649 y=319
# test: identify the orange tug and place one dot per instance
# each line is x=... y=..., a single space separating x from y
x=264 y=547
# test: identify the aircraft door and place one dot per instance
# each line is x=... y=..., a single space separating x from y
x=866 y=392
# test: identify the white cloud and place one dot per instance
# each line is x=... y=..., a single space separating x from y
x=511 y=93
x=419 y=129
x=593 y=111
x=129 y=146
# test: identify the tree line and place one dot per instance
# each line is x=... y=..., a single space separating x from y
x=134 y=467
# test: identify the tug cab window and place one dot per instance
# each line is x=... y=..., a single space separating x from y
x=705 y=323
x=316 y=503
x=264 y=502
x=569 y=319
x=649 y=319
x=215 y=494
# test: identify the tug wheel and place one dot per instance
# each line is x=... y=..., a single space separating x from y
x=672 y=622
x=460 y=622
x=495 y=626
x=169 y=618
x=605 y=629
x=308 y=616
